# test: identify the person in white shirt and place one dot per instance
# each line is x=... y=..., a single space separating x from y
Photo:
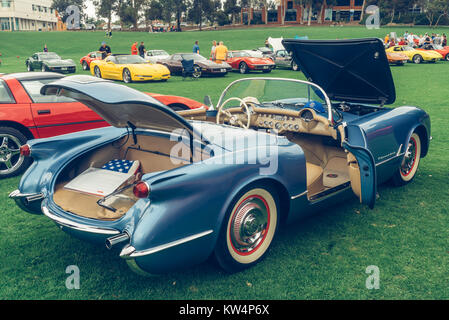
x=212 y=50
x=410 y=40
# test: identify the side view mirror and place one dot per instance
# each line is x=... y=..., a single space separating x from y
x=208 y=102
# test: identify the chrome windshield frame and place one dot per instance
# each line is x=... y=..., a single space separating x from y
x=326 y=98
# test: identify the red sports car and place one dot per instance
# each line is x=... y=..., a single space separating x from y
x=242 y=61
x=444 y=51
x=88 y=58
x=26 y=114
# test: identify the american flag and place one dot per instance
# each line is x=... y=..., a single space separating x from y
x=119 y=165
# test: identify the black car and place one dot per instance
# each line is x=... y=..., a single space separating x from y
x=174 y=64
x=50 y=61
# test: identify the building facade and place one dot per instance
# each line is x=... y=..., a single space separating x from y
x=290 y=11
x=27 y=15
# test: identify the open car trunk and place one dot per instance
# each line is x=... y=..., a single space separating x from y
x=152 y=154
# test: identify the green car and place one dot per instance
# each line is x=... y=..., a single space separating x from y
x=50 y=61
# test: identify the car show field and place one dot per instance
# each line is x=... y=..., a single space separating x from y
x=323 y=257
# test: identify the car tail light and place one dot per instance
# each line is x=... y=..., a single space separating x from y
x=25 y=150
x=141 y=190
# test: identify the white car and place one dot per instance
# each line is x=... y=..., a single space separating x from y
x=154 y=56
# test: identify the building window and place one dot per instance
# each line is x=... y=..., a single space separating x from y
x=6 y=3
x=4 y=22
x=39 y=8
x=33 y=7
x=290 y=15
x=358 y=3
x=289 y=5
x=272 y=15
x=45 y=9
x=343 y=2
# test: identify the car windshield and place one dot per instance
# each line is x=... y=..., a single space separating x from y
x=49 y=55
x=192 y=56
x=437 y=47
x=238 y=54
x=275 y=93
x=130 y=59
x=159 y=53
x=408 y=48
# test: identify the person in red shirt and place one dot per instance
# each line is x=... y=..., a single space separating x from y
x=134 y=50
x=402 y=42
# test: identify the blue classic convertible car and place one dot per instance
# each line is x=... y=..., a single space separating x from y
x=171 y=189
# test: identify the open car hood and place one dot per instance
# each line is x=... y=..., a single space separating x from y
x=276 y=43
x=354 y=70
x=118 y=104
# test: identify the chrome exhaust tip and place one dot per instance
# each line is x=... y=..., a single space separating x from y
x=114 y=240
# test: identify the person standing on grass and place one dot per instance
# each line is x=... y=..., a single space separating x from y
x=221 y=53
x=443 y=40
x=45 y=48
x=105 y=50
x=134 y=49
x=196 y=47
x=212 y=50
x=142 y=49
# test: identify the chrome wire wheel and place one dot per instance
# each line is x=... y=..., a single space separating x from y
x=85 y=66
x=10 y=158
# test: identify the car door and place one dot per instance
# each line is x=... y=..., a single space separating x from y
x=175 y=64
x=282 y=58
x=108 y=68
x=36 y=62
x=362 y=173
x=55 y=115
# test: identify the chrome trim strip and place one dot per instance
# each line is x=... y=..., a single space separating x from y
x=130 y=252
x=299 y=195
x=396 y=156
x=78 y=226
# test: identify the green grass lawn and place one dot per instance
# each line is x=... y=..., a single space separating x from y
x=324 y=257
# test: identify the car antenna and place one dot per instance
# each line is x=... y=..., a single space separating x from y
x=133 y=128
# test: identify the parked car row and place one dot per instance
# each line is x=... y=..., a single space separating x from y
x=431 y=53
x=27 y=114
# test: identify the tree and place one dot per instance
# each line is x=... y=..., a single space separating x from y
x=104 y=9
x=199 y=10
x=232 y=8
x=154 y=11
x=436 y=9
x=129 y=12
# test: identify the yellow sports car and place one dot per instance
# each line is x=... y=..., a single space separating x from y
x=416 y=56
x=128 y=68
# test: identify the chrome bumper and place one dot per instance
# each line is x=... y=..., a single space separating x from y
x=129 y=252
x=78 y=226
x=28 y=197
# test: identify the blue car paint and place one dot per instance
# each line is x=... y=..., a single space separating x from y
x=176 y=206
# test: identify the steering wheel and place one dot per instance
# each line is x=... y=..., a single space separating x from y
x=232 y=118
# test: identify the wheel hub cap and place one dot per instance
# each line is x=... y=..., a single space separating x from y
x=409 y=158
x=249 y=225
x=10 y=157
